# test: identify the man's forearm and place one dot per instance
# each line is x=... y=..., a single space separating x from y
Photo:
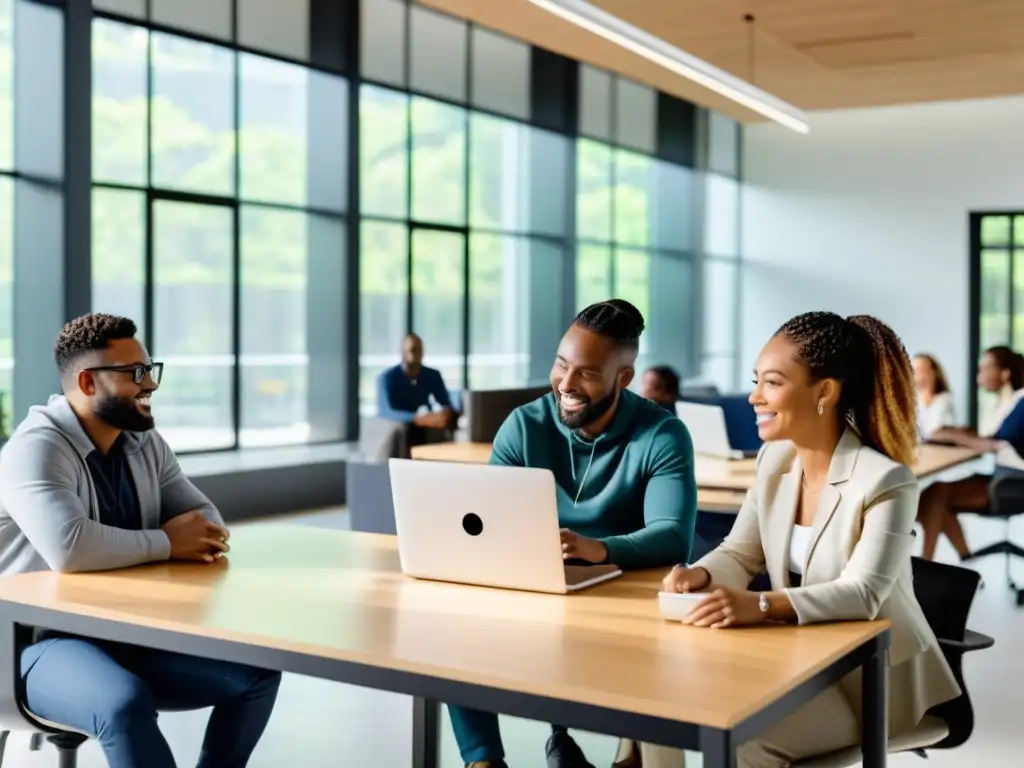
x=660 y=544
x=86 y=545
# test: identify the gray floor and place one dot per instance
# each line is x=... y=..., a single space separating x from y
x=326 y=724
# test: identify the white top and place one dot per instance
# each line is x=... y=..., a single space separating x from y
x=799 y=543
x=937 y=414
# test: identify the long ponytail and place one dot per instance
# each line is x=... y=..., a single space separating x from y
x=867 y=357
x=886 y=412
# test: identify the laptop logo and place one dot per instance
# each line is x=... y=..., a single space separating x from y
x=472 y=524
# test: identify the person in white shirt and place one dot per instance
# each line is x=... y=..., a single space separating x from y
x=1000 y=372
x=934 y=400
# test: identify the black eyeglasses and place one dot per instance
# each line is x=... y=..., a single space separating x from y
x=138 y=372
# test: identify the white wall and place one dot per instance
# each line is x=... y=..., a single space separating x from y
x=869 y=214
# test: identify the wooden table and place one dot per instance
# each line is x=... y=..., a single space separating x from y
x=334 y=605
x=712 y=473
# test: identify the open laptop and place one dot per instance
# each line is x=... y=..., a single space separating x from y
x=706 y=424
x=487 y=525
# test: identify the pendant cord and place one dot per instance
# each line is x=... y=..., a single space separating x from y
x=751 y=42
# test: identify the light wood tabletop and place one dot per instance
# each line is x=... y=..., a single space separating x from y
x=466 y=453
x=711 y=473
x=340 y=596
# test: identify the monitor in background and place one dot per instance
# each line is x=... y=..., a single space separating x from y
x=493 y=526
x=487 y=410
x=706 y=424
x=740 y=419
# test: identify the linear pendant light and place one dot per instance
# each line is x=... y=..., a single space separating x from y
x=656 y=50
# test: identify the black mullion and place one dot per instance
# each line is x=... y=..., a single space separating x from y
x=353 y=251
x=406 y=79
x=974 y=308
x=236 y=251
x=148 y=290
x=613 y=105
x=466 y=255
x=409 y=227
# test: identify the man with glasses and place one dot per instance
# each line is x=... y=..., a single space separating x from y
x=87 y=484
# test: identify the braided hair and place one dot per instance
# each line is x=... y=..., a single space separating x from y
x=615 y=319
x=866 y=356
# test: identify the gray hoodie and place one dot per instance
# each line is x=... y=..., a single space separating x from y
x=49 y=515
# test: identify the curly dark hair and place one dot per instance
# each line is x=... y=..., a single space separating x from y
x=669 y=378
x=1011 y=361
x=89 y=333
x=615 y=319
x=867 y=357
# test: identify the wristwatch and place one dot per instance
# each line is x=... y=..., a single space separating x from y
x=763 y=604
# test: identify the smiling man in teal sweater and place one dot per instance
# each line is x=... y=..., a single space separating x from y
x=623 y=468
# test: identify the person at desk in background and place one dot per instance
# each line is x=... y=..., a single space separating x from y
x=1000 y=372
x=831 y=518
x=405 y=390
x=660 y=385
x=934 y=400
x=624 y=475
x=87 y=484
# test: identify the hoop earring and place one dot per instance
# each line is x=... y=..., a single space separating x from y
x=821 y=409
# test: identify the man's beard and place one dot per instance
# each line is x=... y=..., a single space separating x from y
x=122 y=413
x=589 y=413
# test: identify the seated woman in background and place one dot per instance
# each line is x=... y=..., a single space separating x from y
x=1001 y=372
x=934 y=400
x=831 y=517
x=660 y=385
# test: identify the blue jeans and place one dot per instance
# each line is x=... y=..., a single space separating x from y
x=113 y=691
x=478 y=735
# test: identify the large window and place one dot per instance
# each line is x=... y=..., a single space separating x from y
x=721 y=262
x=997 y=288
x=500 y=189
x=634 y=218
x=464 y=209
x=6 y=215
x=218 y=225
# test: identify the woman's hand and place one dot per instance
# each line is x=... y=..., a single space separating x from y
x=683 y=579
x=727 y=608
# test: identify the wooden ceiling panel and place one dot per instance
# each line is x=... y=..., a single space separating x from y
x=816 y=54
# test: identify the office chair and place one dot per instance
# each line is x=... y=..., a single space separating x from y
x=15 y=717
x=945 y=593
x=1006 y=500
x=368 y=477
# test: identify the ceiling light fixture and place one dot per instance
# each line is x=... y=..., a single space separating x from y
x=656 y=50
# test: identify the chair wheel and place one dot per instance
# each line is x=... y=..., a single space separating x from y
x=1020 y=597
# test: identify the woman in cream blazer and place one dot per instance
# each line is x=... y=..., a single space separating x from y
x=831 y=518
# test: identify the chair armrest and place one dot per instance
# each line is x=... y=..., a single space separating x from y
x=973 y=641
x=1006 y=489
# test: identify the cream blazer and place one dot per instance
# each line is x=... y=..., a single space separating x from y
x=857 y=566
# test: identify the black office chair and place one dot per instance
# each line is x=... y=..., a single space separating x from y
x=1006 y=500
x=945 y=593
x=66 y=741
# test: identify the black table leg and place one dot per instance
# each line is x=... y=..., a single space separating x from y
x=425 y=732
x=874 y=717
x=717 y=748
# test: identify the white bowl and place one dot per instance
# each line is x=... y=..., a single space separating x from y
x=676 y=606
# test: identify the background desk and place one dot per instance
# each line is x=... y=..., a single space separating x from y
x=335 y=605
x=719 y=475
